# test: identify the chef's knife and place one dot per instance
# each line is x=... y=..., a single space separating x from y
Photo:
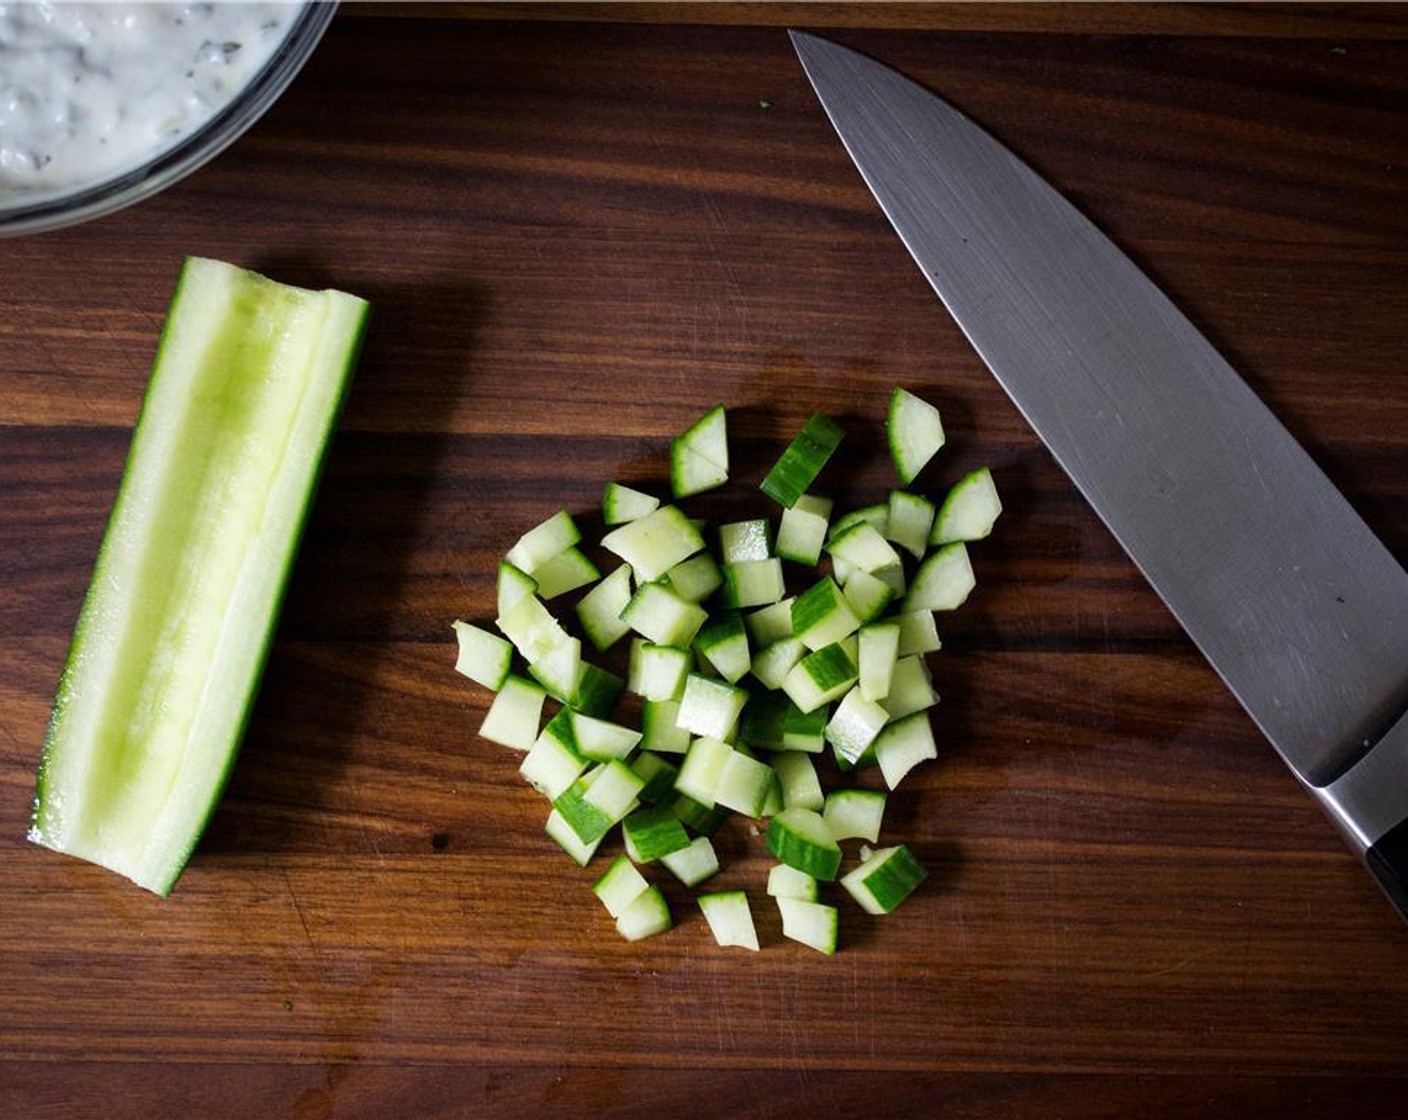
x=1298 y=606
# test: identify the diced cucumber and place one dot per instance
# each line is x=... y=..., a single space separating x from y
x=761 y=725
x=799 y=465
x=552 y=765
x=616 y=791
x=655 y=543
x=656 y=672
x=659 y=775
x=867 y=595
x=854 y=725
x=879 y=649
x=730 y=919
x=903 y=745
x=801 y=788
x=602 y=740
x=619 y=886
x=166 y=656
x=811 y=923
x=911 y=688
x=821 y=615
x=710 y=708
x=588 y=823
x=820 y=677
x=745 y=540
x=771 y=666
x=567 y=571
x=621 y=503
x=802 y=534
x=723 y=642
x=943 y=580
x=804 y=731
x=863 y=546
x=559 y=669
x=754 y=583
x=657 y=613
x=911 y=519
x=915 y=432
x=876 y=516
x=513 y=585
x=800 y=839
x=772 y=803
x=703 y=766
x=532 y=629
x=969 y=511
x=769 y=624
x=568 y=840
x=854 y=814
x=694 y=579
x=647 y=916
x=918 y=633
x=599 y=611
x=699 y=457
x=513 y=717
x=483 y=657
x=743 y=784
x=660 y=729
x=788 y=882
x=543 y=542
x=692 y=865
x=705 y=820
x=886 y=878
x=597 y=691
x=652 y=833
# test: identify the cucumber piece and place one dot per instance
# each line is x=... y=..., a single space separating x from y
x=559 y=670
x=867 y=595
x=769 y=624
x=600 y=739
x=863 y=546
x=804 y=731
x=657 y=613
x=730 y=919
x=694 y=579
x=754 y=583
x=723 y=642
x=512 y=719
x=854 y=814
x=854 y=725
x=655 y=543
x=773 y=803
x=597 y=691
x=820 y=677
x=879 y=650
x=703 y=766
x=165 y=660
x=699 y=457
x=743 y=785
x=886 y=878
x=567 y=571
x=710 y=708
x=616 y=791
x=552 y=765
x=914 y=431
x=911 y=688
x=619 y=886
x=771 y=666
x=802 y=534
x=799 y=465
x=918 y=633
x=659 y=775
x=703 y=819
x=801 y=788
x=788 y=882
x=652 y=833
x=903 y=745
x=567 y=839
x=656 y=672
x=543 y=542
x=660 y=729
x=513 y=585
x=969 y=511
x=483 y=657
x=800 y=839
x=645 y=917
x=599 y=610
x=910 y=522
x=943 y=580
x=876 y=516
x=621 y=503
x=745 y=540
x=692 y=865
x=822 y=616
x=588 y=823
x=532 y=629
x=811 y=923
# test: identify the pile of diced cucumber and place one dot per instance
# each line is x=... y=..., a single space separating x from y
x=742 y=685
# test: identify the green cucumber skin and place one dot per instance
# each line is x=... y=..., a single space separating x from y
x=54 y=733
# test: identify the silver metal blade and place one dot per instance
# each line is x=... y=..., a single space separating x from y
x=1281 y=585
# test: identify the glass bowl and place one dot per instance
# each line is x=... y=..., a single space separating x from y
x=37 y=211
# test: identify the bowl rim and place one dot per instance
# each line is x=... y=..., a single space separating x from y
x=85 y=202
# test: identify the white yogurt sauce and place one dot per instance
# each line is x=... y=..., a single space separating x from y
x=89 y=90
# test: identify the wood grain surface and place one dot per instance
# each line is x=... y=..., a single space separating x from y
x=577 y=235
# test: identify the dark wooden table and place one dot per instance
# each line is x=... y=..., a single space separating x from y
x=579 y=228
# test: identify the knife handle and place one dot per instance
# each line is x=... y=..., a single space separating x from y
x=1387 y=859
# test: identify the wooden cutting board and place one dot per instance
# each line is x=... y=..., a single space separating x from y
x=577 y=236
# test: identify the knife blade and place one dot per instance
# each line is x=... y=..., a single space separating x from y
x=1297 y=605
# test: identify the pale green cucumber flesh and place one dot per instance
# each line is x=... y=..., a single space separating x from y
x=162 y=671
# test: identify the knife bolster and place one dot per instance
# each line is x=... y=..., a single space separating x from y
x=1387 y=859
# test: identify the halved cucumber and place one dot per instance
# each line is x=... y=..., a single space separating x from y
x=162 y=671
